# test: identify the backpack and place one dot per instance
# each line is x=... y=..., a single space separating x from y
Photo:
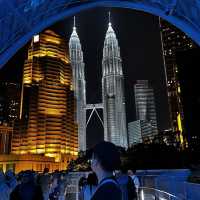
x=132 y=194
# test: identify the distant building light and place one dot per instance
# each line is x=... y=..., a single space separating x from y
x=179 y=89
x=36 y=38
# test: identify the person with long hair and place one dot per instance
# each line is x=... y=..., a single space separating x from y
x=90 y=187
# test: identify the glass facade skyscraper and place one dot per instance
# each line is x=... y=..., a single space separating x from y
x=173 y=41
x=78 y=70
x=115 y=129
x=145 y=106
x=134 y=133
x=139 y=131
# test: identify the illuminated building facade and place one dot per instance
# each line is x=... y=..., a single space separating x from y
x=167 y=137
x=140 y=131
x=188 y=62
x=134 y=133
x=47 y=112
x=115 y=129
x=112 y=90
x=35 y=162
x=145 y=107
x=6 y=132
x=173 y=41
x=78 y=69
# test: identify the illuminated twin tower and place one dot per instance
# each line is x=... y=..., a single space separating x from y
x=112 y=89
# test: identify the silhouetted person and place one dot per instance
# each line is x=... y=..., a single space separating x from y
x=4 y=189
x=105 y=159
x=127 y=185
x=28 y=189
x=54 y=189
x=46 y=170
x=90 y=187
x=82 y=182
x=44 y=182
x=11 y=180
x=132 y=174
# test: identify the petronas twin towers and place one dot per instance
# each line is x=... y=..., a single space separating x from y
x=78 y=71
x=114 y=114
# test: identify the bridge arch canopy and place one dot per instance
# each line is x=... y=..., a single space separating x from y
x=21 y=19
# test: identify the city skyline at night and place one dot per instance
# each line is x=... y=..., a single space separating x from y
x=139 y=61
x=102 y=90
x=145 y=66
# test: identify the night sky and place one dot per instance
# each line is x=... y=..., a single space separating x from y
x=139 y=40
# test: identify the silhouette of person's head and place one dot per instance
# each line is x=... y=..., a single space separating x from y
x=9 y=174
x=131 y=172
x=27 y=176
x=105 y=157
x=92 y=179
x=46 y=170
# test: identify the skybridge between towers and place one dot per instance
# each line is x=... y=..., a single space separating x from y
x=93 y=108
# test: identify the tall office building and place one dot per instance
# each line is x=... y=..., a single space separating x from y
x=9 y=102
x=173 y=41
x=134 y=133
x=139 y=132
x=78 y=69
x=145 y=105
x=9 y=113
x=47 y=113
x=113 y=91
x=188 y=62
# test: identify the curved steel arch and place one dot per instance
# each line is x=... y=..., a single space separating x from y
x=21 y=19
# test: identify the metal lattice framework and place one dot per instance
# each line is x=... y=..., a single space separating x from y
x=93 y=108
x=21 y=19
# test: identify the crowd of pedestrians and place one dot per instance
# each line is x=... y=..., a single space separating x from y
x=28 y=185
x=103 y=183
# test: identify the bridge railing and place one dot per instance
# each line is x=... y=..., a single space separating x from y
x=171 y=183
x=153 y=187
x=146 y=193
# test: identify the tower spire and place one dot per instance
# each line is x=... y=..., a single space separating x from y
x=74 y=27
x=109 y=22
